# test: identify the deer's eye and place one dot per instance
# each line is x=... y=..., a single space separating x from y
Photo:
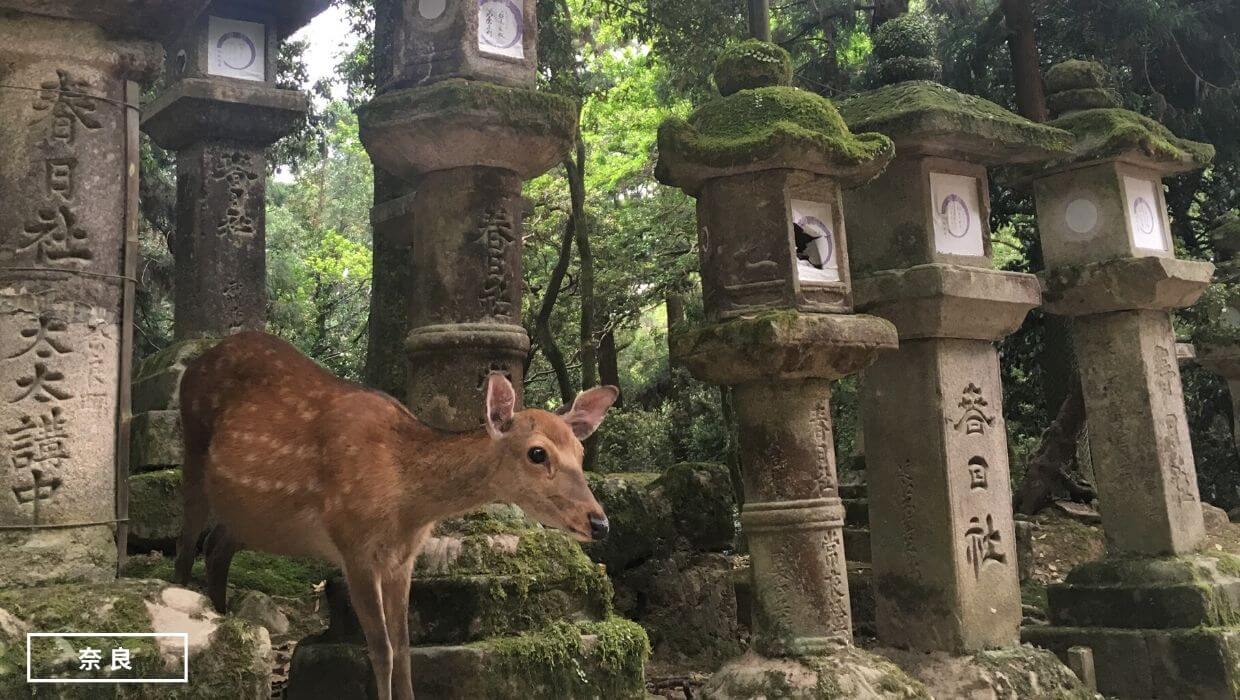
x=537 y=455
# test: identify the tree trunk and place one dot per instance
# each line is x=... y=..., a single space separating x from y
x=588 y=350
x=885 y=10
x=542 y=323
x=1026 y=72
x=1046 y=474
x=609 y=363
x=760 y=19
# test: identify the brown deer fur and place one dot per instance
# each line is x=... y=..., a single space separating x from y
x=289 y=459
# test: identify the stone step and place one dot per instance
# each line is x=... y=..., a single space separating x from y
x=854 y=491
x=589 y=660
x=155 y=441
x=154 y=511
x=857 y=544
x=857 y=512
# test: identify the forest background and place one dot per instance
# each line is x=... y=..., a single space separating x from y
x=610 y=255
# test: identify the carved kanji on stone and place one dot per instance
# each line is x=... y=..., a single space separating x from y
x=41 y=385
x=237 y=169
x=55 y=236
x=497 y=234
x=41 y=442
x=69 y=104
x=974 y=420
x=983 y=544
x=43 y=340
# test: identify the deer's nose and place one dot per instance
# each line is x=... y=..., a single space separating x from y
x=599 y=527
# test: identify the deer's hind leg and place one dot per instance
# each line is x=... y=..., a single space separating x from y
x=196 y=511
x=218 y=553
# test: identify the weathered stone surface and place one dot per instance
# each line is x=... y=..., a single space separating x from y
x=157 y=20
x=418 y=43
x=155 y=510
x=1214 y=518
x=942 y=539
x=1143 y=460
x=63 y=204
x=587 y=660
x=228 y=657
x=843 y=672
x=782 y=345
x=703 y=509
x=466 y=123
x=641 y=521
x=949 y=301
x=391 y=220
x=157 y=379
x=1017 y=673
x=258 y=608
x=155 y=441
x=1151 y=283
x=926 y=118
x=687 y=604
x=196 y=110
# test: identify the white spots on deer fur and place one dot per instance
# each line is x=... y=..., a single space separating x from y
x=309 y=415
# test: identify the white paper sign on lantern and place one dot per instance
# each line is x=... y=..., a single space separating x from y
x=236 y=49
x=1145 y=215
x=957 y=215
x=818 y=257
x=501 y=28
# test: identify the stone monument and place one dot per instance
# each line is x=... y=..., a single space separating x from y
x=766 y=162
x=1158 y=616
x=458 y=119
x=942 y=540
x=68 y=247
x=219 y=110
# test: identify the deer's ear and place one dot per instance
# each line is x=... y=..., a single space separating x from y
x=501 y=401
x=589 y=408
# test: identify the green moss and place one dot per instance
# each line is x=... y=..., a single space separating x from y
x=912 y=34
x=553 y=662
x=271 y=574
x=1028 y=672
x=927 y=108
x=702 y=504
x=175 y=355
x=641 y=521
x=1225 y=235
x=228 y=667
x=155 y=504
x=1033 y=594
x=752 y=64
x=1085 y=98
x=536 y=111
x=1109 y=133
x=757 y=124
x=1074 y=75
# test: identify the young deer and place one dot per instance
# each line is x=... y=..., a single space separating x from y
x=289 y=459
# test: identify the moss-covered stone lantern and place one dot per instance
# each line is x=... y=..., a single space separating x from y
x=942 y=537
x=1111 y=268
x=766 y=162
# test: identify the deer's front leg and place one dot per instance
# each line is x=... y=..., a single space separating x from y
x=366 y=595
x=396 y=610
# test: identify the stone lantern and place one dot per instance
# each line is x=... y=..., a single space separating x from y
x=458 y=121
x=766 y=162
x=941 y=531
x=219 y=110
x=1154 y=610
x=68 y=252
x=1218 y=344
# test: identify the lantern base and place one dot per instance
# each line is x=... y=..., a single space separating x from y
x=842 y=672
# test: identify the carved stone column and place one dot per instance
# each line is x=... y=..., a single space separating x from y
x=941 y=532
x=391 y=220
x=779 y=328
x=458 y=120
x=67 y=195
x=1111 y=268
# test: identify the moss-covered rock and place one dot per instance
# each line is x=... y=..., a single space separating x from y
x=156 y=441
x=155 y=511
x=702 y=505
x=841 y=673
x=1225 y=236
x=1075 y=74
x=1016 y=673
x=905 y=48
x=921 y=110
x=1104 y=133
x=1085 y=98
x=765 y=128
x=157 y=379
x=228 y=657
x=641 y=521
x=603 y=660
x=752 y=64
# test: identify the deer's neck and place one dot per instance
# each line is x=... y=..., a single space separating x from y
x=448 y=474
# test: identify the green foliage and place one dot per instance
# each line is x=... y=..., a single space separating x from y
x=752 y=64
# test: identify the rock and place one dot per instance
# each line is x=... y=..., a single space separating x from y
x=156 y=441
x=702 y=504
x=1018 y=673
x=641 y=521
x=155 y=511
x=260 y=609
x=229 y=658
x=1079 y=512
x=1215 y=518
x=687 y=604
x=846 y=672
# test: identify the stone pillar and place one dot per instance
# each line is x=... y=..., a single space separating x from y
x=942 y=539
x=391 y=220
x=458 y=120
x=220 y=111
x=1111 y=268
x=67 y=198
x=779 y=328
